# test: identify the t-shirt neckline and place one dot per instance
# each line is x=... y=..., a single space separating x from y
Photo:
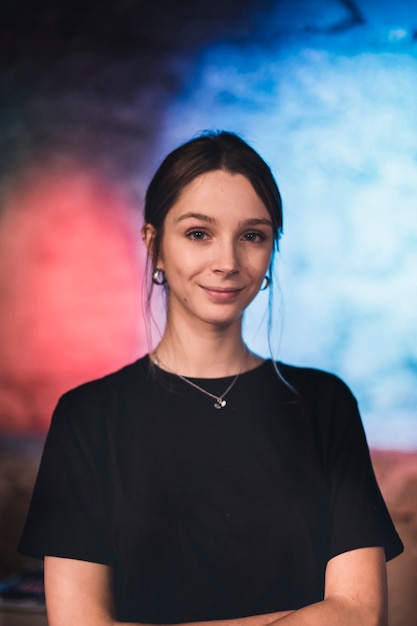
x=247 y=373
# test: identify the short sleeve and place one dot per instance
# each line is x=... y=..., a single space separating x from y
x=358 y=512
x=66 y=515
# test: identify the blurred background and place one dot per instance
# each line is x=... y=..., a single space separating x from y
x=92 y=97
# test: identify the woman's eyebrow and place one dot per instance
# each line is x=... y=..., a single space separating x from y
x=196 y=216
x=253 y=221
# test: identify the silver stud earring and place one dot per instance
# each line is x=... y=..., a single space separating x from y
x=158 y=277
x=265 y=284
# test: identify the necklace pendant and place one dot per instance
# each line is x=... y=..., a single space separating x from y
x=220 y=404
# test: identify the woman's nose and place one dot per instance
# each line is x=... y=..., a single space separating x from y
x=226 y=258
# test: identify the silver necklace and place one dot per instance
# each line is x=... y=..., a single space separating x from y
x=220 y=401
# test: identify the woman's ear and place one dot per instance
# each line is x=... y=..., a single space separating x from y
x=148 y=237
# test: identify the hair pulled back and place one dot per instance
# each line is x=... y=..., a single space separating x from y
x=206 y=153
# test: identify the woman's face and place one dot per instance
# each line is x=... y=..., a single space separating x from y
x=216 y=248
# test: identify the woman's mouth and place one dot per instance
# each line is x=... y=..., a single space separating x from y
x=222 y=294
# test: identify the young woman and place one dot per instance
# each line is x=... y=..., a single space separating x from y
x=203 y=483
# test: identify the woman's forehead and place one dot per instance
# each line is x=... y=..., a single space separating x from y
x=216 y=193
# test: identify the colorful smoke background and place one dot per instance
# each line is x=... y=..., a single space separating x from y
x=93 y=95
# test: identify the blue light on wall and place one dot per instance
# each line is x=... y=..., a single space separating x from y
x=335 y=115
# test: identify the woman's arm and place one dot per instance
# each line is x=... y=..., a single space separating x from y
x=78 y=593
x=355 y=593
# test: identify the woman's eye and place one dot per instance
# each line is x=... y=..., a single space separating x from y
x=254 y=237
x=196 y=234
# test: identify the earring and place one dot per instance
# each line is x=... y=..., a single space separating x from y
x=158 y=277
x=265 y=284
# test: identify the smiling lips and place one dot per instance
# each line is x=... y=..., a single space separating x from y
x=222 y=294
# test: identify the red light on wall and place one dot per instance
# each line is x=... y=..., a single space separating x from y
x=70 y=282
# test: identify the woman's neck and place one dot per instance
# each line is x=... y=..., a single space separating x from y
x=205 y=352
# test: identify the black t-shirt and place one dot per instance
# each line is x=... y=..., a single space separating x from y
x=208 y=514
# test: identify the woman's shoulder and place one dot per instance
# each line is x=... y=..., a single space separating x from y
x=90 y=409
x=324 y=400
x=129 y=378
x=314 y=384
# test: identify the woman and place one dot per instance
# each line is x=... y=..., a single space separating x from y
x=202 y=482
